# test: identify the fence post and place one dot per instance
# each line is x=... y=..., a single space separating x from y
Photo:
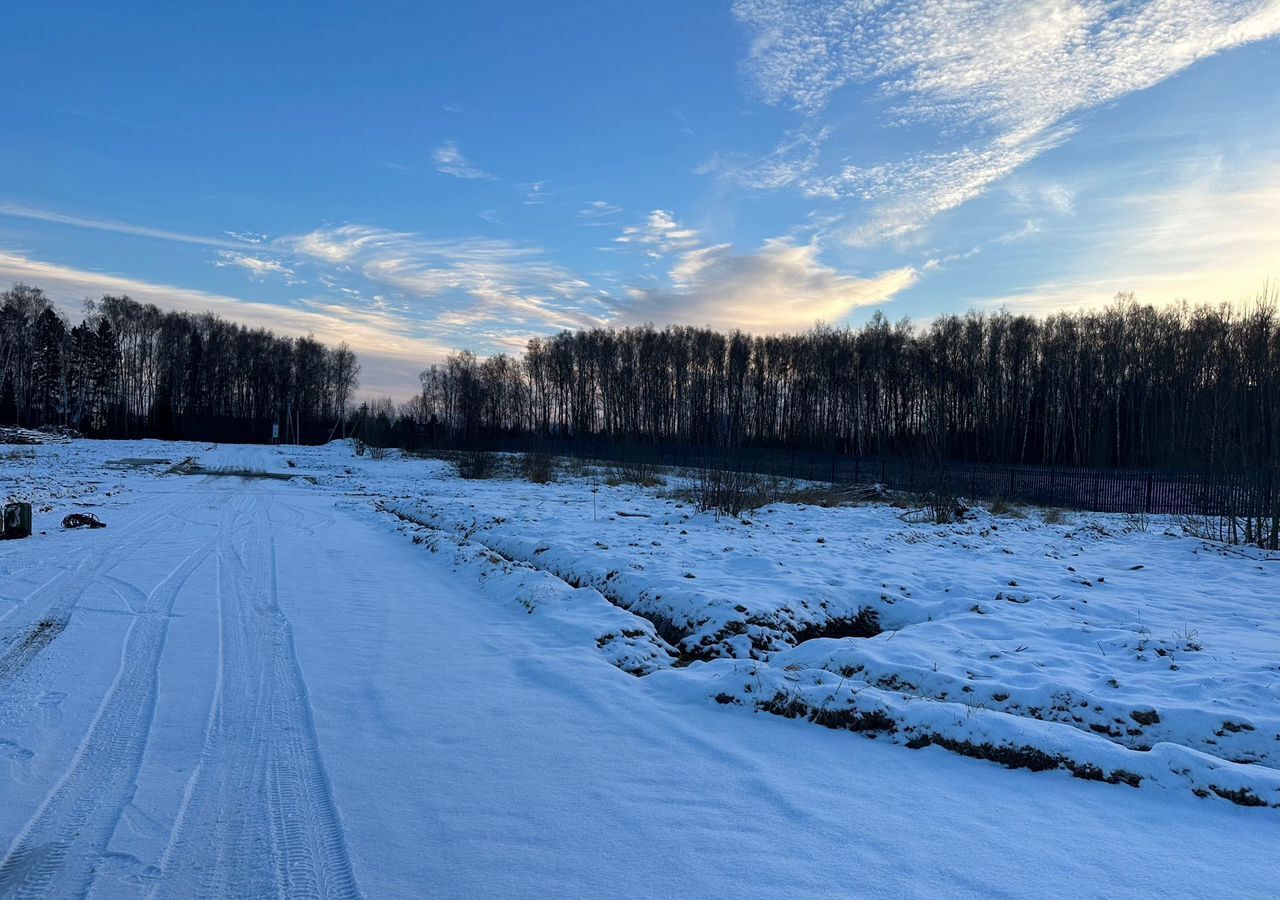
x=1274 y=509
x=1150 y=480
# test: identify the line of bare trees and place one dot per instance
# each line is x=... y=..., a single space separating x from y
x=1131 y=385
x=130 y=370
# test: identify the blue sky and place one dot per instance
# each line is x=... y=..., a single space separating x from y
x=413 y=178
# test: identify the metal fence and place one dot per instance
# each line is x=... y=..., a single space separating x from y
x=1154 y=491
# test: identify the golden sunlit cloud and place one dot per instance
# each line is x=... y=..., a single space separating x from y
x=782 y=287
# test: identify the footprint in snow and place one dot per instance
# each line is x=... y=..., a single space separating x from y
x=18 y=756
x=127 y=867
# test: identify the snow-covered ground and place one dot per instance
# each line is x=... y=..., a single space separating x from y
x=251 y=686
x=1119 y=654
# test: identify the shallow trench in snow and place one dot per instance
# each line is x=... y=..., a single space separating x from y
x=781 y=647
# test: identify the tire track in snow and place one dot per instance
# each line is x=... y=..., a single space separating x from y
x=21 y=645
x=23 y=601
x=220 y=845
x=57 y=852
x=308 y=521
x=109 y=545
x=300 y=788
x=258 y=818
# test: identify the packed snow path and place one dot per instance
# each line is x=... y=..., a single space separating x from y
x=247 y=687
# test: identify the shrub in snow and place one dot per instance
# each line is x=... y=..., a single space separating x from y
x=636 y=471
x=728 y=492
x=538 y=467
x=477 y=464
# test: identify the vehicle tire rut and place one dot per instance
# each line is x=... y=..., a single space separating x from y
x=260 y=753
x=17 y=646
x=56 y=853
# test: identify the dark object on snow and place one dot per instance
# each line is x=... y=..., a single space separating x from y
x=16 y=522
x=61 y=431
x=19 y=436
x=83 y=520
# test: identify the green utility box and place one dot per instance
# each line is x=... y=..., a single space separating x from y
x=16 y=522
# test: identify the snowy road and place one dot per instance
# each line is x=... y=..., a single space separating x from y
x=249 y=687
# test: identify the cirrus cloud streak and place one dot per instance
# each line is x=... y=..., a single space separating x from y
x=999 y=82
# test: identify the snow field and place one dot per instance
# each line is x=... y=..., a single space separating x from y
x=1136 y=657
x=58 y=475
x=260 y=688
x=1126 y=656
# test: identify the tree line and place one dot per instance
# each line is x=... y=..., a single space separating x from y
x=130 y=370
x=1130 y=385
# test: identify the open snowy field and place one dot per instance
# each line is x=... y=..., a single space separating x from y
x=294 y=671
x=1120 y=654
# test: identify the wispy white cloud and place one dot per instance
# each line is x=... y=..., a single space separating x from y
x=1011 y=64
x=938 y=262
x=659 y=235
x=783 y=286
x=257 y=266
x=907 y=193
x=18 y=211
x=1029 y=228
x=450 y=161
x=1050 y=196
x=340 y=245
x=1001 y=80
x=247 y=237
x=597 y=211
x=535 y=193
x=795 y=157
x=1210 y=237
x=478 y=279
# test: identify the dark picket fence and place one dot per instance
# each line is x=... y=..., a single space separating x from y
x=1150 y=491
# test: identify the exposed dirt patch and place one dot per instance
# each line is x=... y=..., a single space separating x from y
x=190 y=466
x=1025 y=757
x=866 y=624
x=791 y=707
x=1240 y=797
x=135 y=462
x=27 y=644
x=242 y=473
x=1145 y=716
